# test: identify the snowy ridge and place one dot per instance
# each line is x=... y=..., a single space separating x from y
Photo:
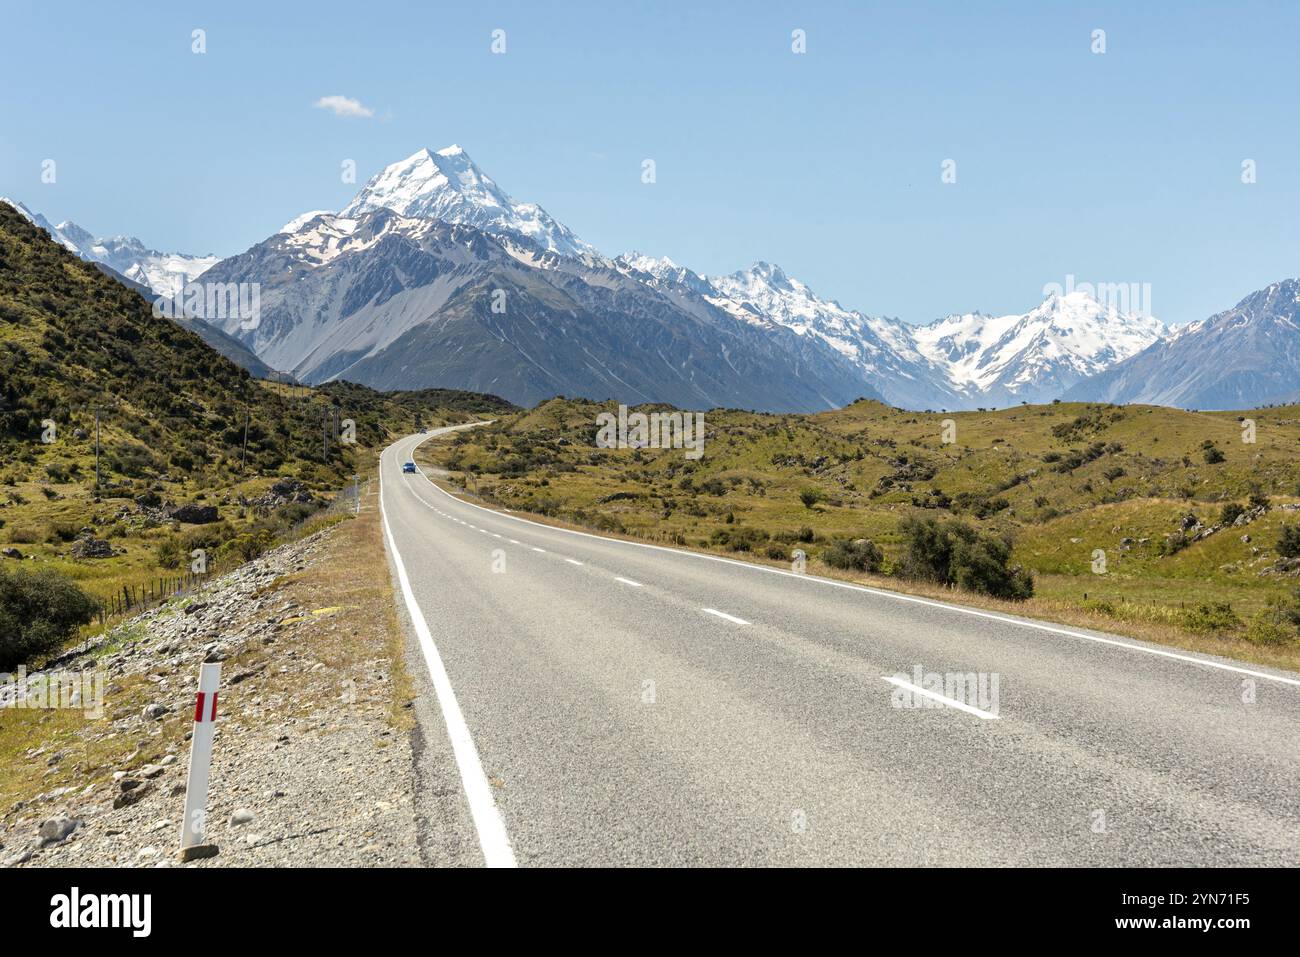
x=447 y=185
x=1062 y=341
x=164 y=273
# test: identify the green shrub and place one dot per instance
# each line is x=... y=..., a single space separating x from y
x=1210 y=617
x=168 y=553
x=1288 y=544
x=739 y=539
x=1231 y=512
x=1213 y=456
x=1279 y=623
x=39 y=611
x=860 y=554
x=60 y=532
x=953 y=553
x=810 y=496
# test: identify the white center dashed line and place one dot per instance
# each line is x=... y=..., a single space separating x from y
x=722 y=614
x=944 y=699
x=514 y=542
x=627 y=581
x=536 y=549
x=573 y=561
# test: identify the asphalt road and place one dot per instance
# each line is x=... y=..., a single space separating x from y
x=616 y=703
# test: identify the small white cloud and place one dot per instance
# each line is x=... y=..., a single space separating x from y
x=344 y=106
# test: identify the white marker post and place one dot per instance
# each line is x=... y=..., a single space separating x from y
x=196 y=790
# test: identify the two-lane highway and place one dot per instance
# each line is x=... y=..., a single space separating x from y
x=618 y=703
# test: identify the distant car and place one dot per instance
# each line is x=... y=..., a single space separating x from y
x=408 y=466
x=424 y=431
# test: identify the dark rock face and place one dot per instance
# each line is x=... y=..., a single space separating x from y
x=11 y=553
x=195 y=514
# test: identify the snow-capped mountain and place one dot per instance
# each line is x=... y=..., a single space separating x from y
x=398 y=302
x=1034 y=356
x=377 y=292
x=1241 y=358
x=447 y=185
x=954 y=363
x=882 y=349
x=164 y=273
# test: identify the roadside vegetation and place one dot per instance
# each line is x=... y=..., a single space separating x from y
x=1117 y=518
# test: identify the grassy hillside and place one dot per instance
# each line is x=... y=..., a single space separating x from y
x=178 y=424
x=1143 y=485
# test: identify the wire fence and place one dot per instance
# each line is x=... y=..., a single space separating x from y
x=130 y=598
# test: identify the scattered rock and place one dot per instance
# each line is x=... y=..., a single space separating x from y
x=11 y=552
x=194 y=514
x=90 y=547
x=56 y=829
x=241 y=816
x=154 y=712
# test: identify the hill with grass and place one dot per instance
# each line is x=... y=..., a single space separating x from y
x=1166 y=522
x=126 y=441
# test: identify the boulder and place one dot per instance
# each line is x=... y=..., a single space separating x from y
x=194 y=514
x=91 y=547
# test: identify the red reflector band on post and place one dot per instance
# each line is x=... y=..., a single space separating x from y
x=198 y=707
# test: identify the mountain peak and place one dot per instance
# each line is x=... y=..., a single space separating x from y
x=448 y=185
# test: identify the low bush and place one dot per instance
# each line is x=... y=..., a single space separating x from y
x=860 y=554
x=39 y=611
x=1230 y=513
x=739 y=539
x=810 y=496
x=1216 y=616
x=953 y=553
x=1288 y=544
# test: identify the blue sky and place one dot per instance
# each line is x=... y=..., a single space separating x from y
x=1119 y=167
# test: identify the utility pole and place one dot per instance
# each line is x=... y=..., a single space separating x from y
x=243 y=455
x=96 y=448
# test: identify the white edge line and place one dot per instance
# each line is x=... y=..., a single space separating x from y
x=896 y=596
x=935 y=696
x=492 y=837
x=723 y=614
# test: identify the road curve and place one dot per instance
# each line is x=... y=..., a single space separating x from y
x=632 y=705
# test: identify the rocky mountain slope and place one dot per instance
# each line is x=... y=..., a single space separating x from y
x=394 y=302
x=1245 y=356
